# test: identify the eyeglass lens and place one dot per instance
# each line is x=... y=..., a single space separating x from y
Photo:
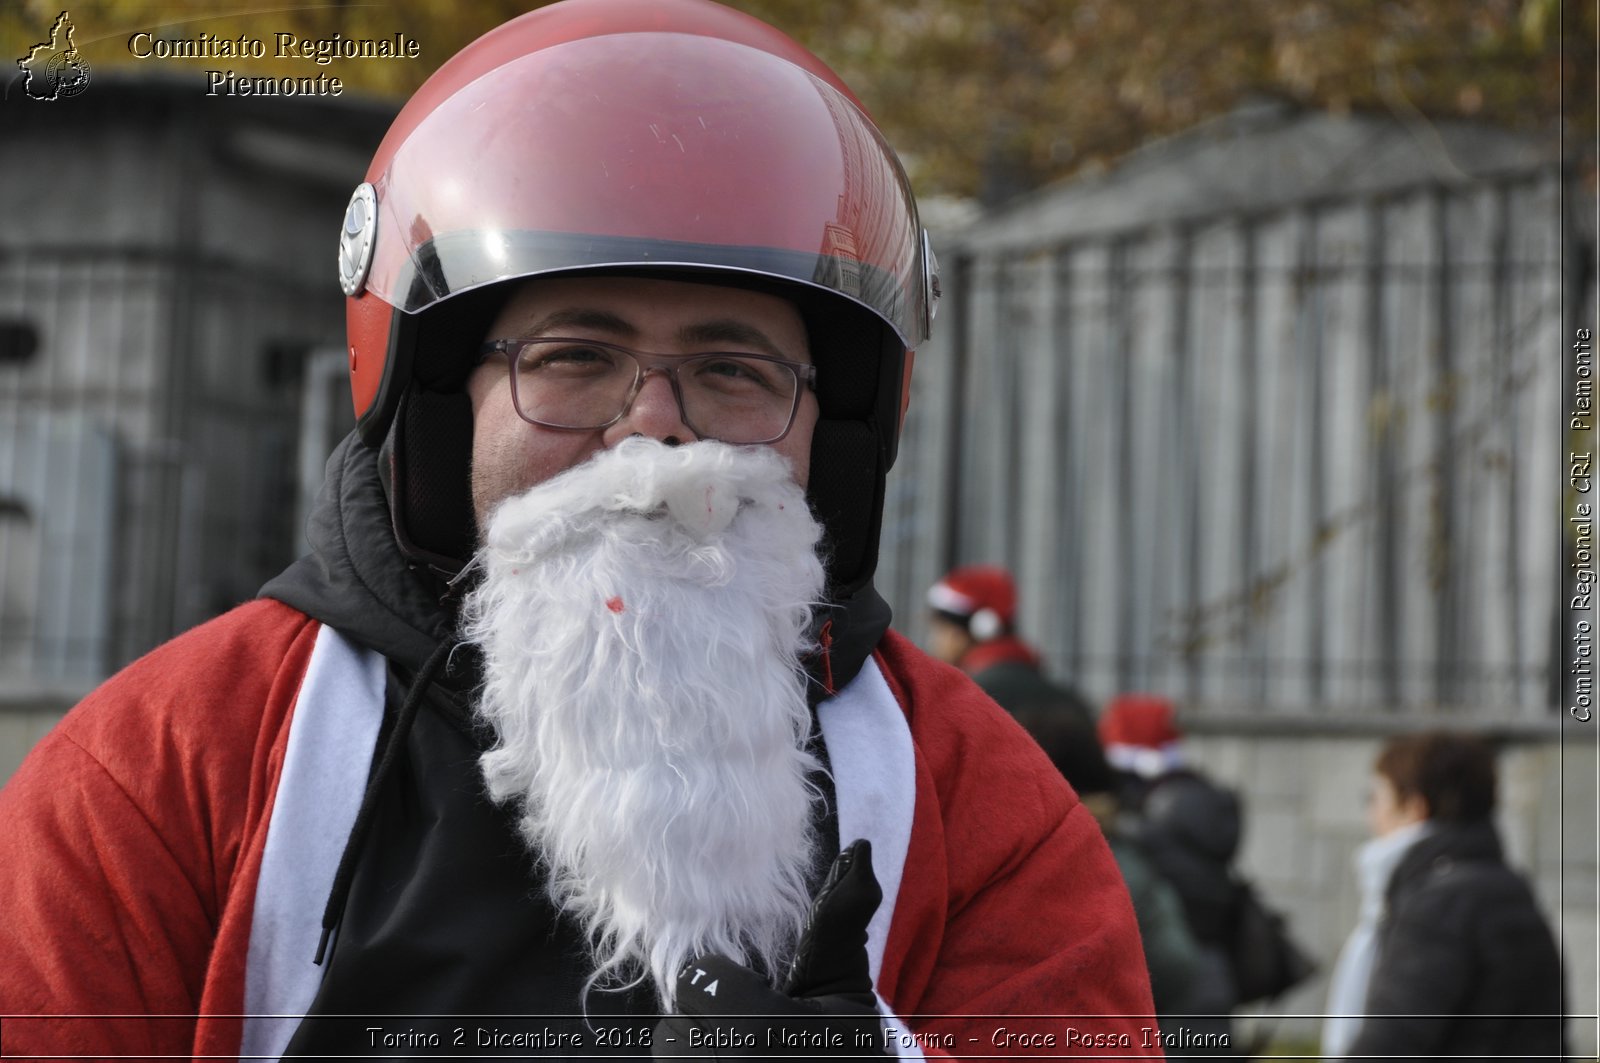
x=731 y=397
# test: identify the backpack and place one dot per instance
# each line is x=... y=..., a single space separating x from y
x=1266 y=962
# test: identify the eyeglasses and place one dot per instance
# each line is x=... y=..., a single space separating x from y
x=586 y=384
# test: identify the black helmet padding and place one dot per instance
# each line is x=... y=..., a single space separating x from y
x=430 y=479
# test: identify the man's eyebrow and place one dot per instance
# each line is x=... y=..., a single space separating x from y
x=581 y=318
x=710 y=333
x=729 y=331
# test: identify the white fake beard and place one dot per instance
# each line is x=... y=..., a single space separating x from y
x=643 y=617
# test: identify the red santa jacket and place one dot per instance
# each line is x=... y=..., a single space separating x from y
x=155 y=841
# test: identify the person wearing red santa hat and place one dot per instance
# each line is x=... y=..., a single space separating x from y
x=1189 y=827
x=1142 y=740
x=972 y=621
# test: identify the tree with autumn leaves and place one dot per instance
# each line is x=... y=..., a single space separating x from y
x=988 y=99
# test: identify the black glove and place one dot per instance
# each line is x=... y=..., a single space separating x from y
x=827 y=1007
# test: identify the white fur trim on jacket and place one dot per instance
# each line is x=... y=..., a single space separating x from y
x=875 y=785
x=335 y=726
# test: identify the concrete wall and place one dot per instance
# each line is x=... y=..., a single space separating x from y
x=1305 y=816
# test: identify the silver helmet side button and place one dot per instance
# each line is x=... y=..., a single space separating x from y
x=355 y=239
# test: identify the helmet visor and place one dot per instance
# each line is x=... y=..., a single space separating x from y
x=655 y=150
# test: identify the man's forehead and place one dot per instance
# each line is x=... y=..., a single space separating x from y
x=628 y=307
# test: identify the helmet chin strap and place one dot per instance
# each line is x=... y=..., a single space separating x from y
x=428 y=457
x=846 y=496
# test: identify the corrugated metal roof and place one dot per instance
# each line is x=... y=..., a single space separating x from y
x=1261 y=157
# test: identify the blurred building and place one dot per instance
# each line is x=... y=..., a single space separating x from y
x=167 y=284
x=1269 y=418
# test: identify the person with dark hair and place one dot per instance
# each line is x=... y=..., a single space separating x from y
x=972 y=624
x=1450 y=955
x=583 y=711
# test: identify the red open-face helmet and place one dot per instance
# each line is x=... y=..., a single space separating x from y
x=667 y=136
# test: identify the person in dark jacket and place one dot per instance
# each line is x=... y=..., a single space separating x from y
x=972 y=626
x=1190 y=825
x=1190 y=828
x=1460 y=961
x=1177 y=969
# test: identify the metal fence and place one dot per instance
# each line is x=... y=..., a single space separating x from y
x=1303 y=458
x=163 y=284
x=150 y=474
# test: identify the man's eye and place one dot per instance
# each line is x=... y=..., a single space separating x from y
x=730 y=367
x=568 y=357
x=744 y=373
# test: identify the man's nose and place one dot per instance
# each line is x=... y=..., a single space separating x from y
x=654 y=413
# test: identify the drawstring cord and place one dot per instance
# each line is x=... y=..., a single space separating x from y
x=826 y=638
x=346 y=873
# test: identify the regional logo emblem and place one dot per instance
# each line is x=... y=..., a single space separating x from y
x=55 y=69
